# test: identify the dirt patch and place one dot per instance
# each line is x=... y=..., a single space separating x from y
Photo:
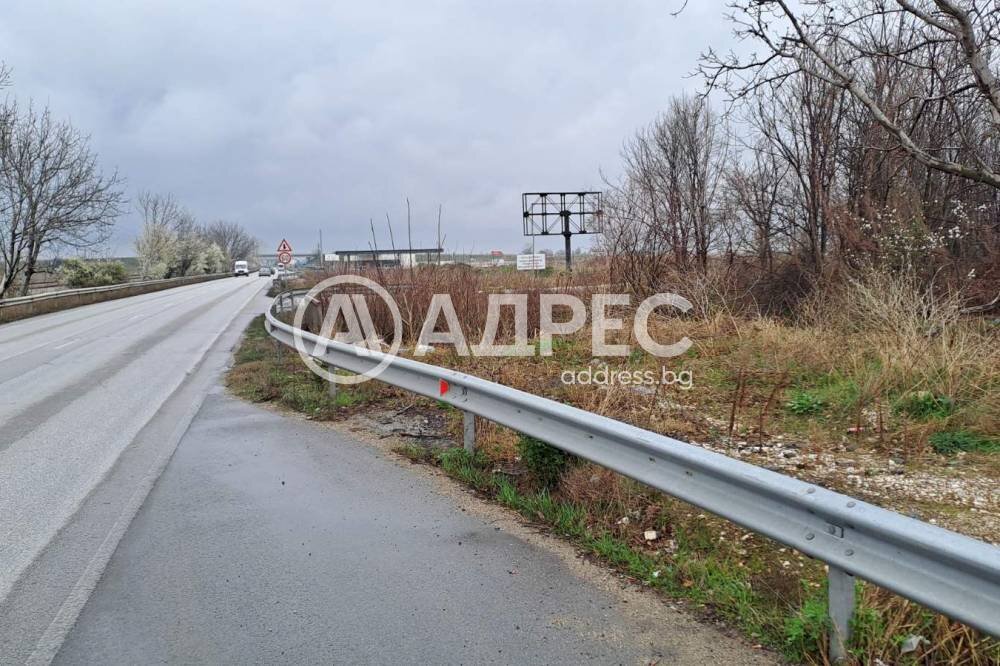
x=412 y=424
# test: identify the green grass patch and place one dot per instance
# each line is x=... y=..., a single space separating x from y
x=949 y=442
x=471 y=469
x=924 y=405
x=830 y=393
x=805 y=403
x=698 y=570
x=806 y=628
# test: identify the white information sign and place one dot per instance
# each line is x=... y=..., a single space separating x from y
x=531 y=262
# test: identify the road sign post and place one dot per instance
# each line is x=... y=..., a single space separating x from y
x=284 y=252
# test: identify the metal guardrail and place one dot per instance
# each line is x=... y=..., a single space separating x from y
x=942 y=570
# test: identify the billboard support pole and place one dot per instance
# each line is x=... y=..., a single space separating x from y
x=567 y=234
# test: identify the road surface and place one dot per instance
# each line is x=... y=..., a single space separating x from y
x=158 y=520
x=83 y=432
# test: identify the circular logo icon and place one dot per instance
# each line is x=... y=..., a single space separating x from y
x=360 y=328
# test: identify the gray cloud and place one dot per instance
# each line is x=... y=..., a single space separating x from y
x=296 y=116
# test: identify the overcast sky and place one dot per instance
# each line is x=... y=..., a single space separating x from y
x=292 y=116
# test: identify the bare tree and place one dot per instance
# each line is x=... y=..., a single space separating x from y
x=844 y=43
x=164 y=218
x=800 y=126
x=665 y=212
x=75 y=205
x=53 y=192
x=703 y=148
x=232 y=238
x=755 y=188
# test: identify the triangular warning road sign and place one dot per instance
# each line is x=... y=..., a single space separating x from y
x=284 y=247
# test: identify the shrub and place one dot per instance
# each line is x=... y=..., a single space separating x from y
x=78 y=273
x=544 y=461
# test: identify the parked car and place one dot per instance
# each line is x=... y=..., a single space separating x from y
x=264 y=270
x=240 y=268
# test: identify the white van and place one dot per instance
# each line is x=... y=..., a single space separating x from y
x=240 y=268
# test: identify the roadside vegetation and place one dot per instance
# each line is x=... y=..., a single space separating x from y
x=869 y=405
x=173 y=244
x=78 y=273
x=263 y=374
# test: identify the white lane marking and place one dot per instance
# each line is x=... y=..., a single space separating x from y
x=66 y=344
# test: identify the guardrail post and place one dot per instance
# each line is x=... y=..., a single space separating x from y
x=332 y=386
x=469 y=423
x=841 y=609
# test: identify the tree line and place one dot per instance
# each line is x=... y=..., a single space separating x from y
x=55 y=199
x=173 y=244
x=858 y=134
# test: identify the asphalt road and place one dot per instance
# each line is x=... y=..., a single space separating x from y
x=151 y=518
x=78 y=388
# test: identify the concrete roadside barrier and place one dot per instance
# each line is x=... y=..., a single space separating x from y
x=21 y=307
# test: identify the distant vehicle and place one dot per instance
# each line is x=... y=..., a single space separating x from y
x=279 y=271
x=240 y=268
x=264 y=270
